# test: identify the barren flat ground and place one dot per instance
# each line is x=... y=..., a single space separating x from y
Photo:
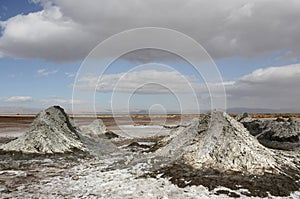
x=14 y=125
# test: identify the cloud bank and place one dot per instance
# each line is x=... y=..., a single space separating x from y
x=67 y=30
x=273 y=87
x=139 y=82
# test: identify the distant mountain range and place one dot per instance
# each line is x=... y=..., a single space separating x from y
x=29 y=110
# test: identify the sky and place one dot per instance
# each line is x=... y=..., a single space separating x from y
x=52 y=53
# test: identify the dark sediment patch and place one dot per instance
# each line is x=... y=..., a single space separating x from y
x=130 y=140
x=135 y=147
x=136 y=144
x=257 y=185
x=4 y=140
x=287 y=146
x=110 y=135
x=229 y=193
x=17 y=155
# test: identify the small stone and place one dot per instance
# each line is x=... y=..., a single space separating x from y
x=75 y=178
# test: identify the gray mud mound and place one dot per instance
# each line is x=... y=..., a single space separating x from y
x=50 y=133
x=97 y=129
x=277 y=134
x=242 y=116
x=218 y=141
x=219 y=151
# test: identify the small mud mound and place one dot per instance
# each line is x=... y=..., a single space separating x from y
x=97 y=129
x=50 y=133
x=242 y=116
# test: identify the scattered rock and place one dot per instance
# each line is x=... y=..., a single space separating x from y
x=75 y=177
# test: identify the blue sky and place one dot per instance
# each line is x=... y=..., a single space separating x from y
x=44 y=43
x=11 y=8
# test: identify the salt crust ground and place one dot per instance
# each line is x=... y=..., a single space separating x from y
x=90 y=180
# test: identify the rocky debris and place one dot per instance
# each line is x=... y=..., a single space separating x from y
x=277 y=134
x=220 y=142
x=50 y=133
x=97 y=129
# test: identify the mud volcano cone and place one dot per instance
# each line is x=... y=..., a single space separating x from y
x=219 y=142
x=51 y=132
x=97 y=129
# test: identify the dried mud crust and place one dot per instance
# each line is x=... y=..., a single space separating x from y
x=18 y=174
x=257 y=185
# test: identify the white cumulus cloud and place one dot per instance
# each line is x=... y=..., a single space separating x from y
x=141 y=82
x=67 y=30
x=45 y=72
x=273 y=87
x=18 y=99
